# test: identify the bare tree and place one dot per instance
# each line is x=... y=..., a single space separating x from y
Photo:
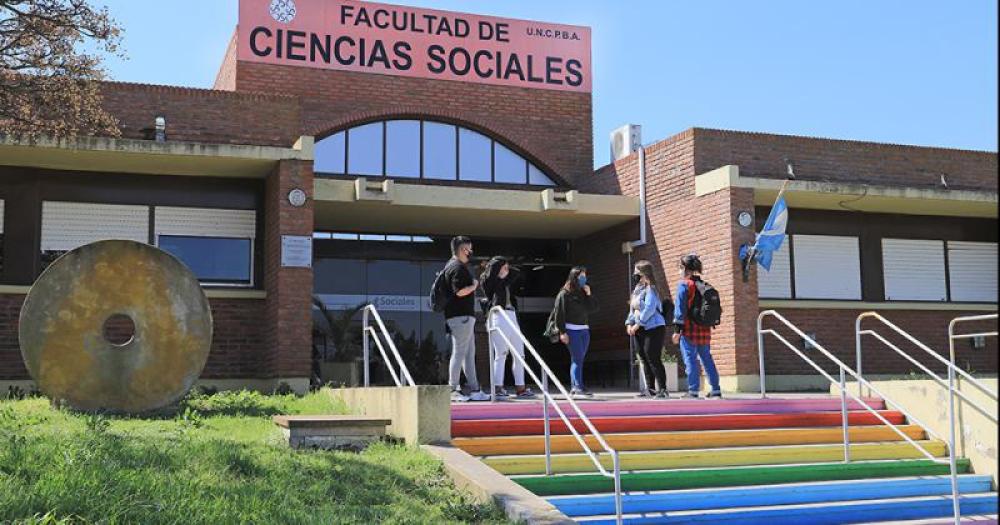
x=50 y=68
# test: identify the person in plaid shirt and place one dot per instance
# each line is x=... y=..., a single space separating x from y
x=695 y=339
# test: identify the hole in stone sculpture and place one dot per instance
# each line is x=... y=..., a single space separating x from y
x=119 y=330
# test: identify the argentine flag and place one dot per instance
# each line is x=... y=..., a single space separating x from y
x=773 y=234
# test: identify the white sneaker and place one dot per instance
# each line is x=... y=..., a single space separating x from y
x=478 y=395
x=458 y=397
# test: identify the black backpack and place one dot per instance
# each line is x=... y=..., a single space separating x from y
x=440 y=292
x=706 y=309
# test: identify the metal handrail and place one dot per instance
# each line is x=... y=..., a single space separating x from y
x=952 y=368
x=844 y=371
x=543 y=384
x=858 y=332
x=368 y=330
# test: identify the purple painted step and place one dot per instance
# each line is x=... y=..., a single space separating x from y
x=655 y=408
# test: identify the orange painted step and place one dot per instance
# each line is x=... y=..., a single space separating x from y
x=514 y=445
x=525 y=427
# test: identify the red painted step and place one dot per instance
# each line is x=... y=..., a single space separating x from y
x=535 y=426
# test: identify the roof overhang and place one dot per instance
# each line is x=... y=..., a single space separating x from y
x=361 y=205
x=854 y=197
x=111 y=155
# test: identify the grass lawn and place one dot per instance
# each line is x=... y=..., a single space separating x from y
x=215 y=460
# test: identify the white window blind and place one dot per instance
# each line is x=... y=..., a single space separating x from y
x=913 y=270
x=69 y=225
x=777 y=283
x=973 y=271
x=205 y=222
x=827 y=267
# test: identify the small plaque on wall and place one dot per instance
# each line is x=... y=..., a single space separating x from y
x=296 y=251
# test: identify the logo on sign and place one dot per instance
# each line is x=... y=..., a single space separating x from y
x=283 y=11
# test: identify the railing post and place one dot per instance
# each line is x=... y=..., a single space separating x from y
x=760 y=353
x=619 y=510
x=845 y=422
x=364 y=339
x=548 y=429
x=956 y=508
x=857 y=348
x=491 y=325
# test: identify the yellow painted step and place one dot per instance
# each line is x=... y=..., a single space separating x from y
x=509 y=445
x=720 y=457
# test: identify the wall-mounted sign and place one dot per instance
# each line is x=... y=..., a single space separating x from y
x=297 y=198
x=349 y=35
x=296 y=251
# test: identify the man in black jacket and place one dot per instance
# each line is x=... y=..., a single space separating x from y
x=460 y=316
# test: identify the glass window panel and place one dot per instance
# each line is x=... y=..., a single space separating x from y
x=402 y=148
x=372 y=237
x=364 y=144
x=536 y=176
x=330 y=154
x=510 y=167
x=344 y=236
x=212 y=259
x=340 y=277
x=474 y=156
x=439 y=151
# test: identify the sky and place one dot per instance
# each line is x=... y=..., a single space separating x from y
x=907 y=72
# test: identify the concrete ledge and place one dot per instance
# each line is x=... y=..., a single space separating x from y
x=211 y=293
x=870 y=198
x=419 y=414
x=775 y=383
x=488 y=485
x=799 y=304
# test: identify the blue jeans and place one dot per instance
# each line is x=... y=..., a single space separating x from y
x=579 y=341
x=691 y=355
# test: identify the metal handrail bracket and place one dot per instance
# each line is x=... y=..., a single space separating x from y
x=498 y=313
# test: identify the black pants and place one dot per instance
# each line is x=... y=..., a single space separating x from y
x=649 y=344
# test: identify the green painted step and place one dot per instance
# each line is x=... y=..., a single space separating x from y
x=568 y=484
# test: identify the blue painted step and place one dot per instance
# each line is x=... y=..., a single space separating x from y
x=837 y=513
x=766 y=495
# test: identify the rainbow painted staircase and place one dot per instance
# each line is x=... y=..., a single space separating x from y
x=747 y=461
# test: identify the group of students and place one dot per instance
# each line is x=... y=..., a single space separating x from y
x=692 y=318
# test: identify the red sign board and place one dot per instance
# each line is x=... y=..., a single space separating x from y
x=349 y=35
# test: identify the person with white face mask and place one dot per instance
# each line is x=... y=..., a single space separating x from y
x=500 y=283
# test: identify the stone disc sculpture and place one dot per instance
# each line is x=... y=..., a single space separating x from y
x=64 y=325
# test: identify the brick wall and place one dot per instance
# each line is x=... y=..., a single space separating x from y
x=834 y=330
x=236 y=343
x=202 y=115
x=762 y=155
x=225 y=79
x=679 y=224
x=287 y=331
x=11 y=363
x=551 y=128
x=237 y=346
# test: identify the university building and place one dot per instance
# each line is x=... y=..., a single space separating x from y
x=337 y=153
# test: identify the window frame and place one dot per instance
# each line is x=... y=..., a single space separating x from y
x=213 y=283
x=529 y=165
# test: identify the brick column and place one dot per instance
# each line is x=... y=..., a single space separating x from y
x=288 y=311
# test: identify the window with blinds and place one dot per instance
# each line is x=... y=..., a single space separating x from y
x=914 y=270
x=776 y=283
x=827 y=267
x=216 y=244
x=972 y=268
